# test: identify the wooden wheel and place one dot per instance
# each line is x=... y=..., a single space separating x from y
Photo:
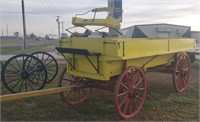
x=22 y=73
x=130 y=92
x=77 y=93
x=181 y=72
x=50 y=64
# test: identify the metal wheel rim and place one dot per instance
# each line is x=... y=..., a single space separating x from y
x=181 y=73
x=83 y=93
x=51 y=65
x=30 y=73
x=131 y=85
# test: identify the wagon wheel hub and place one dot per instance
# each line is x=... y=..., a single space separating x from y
x=25 y=75
x=183 y=73
x=39 y=68
x=131 y=91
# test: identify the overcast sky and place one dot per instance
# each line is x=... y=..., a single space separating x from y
x=41 y=20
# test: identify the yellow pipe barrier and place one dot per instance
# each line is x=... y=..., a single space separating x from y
x=32 y=94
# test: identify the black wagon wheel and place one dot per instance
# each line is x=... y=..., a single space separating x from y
x=130 y=92
x=50 y=64
x=181 y=72
x=23 y=73
x=76 y=92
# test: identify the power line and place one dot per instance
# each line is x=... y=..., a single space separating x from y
x=49 y=5
x=44 y=8
x=52 y=5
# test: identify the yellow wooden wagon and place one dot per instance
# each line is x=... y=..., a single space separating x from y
x=118 y=64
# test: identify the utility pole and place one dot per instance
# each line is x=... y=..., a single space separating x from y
x=24 y=24
x=2 y=32
x=58 y=21
x=62 y=27
x=7 y=28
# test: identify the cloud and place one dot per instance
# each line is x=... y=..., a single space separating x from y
x=157 y=11
x=40 y=14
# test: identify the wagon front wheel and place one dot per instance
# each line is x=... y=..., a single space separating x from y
x=130 y=92
x=77 y=93
x=181 y=72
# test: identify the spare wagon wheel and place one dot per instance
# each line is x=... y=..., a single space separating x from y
x=23 y=72
x=49 y=62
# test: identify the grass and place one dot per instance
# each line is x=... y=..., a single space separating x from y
x=16 y=49
x=162 y=103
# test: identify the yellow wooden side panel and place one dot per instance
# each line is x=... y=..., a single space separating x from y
x=181 y=44
x=151 y=61
x=65 y=42
x=84 y=68
x=83 y=65
x=105 y=46
x=91 y=44
x=112 y=48
x=114 y=68
x=144 y=47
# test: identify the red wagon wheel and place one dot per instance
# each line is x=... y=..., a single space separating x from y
x=77 y=93
x=181 y=72
x=130 y=92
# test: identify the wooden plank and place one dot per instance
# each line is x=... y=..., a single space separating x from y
x=16 y=96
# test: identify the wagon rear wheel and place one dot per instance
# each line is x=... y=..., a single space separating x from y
x=50 y=64
x=22 y=73
x=181 y=72
x=130 y=92
x=77 y=92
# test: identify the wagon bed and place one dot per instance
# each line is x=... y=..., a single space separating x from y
x=114 y=53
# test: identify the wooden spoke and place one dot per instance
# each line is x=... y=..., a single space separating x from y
x=76 y=94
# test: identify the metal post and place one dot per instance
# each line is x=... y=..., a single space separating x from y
x=62 y=27
x=7 y=28
x=24 y=24
x=58 y=21
x=116 y=15
x=2 y=32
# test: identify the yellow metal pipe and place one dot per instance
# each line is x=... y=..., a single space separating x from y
x=32 y=94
